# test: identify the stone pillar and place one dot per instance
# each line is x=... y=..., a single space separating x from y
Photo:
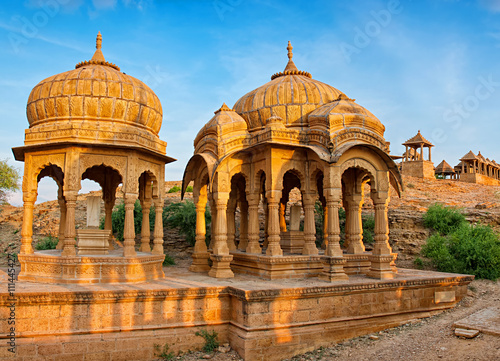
x=266 y=221
x=463 y=167
x=273 y=227
x=253 y=223
x=108 y=220
x=213 y=213
x=243 y=244
x=29 y=199
x=158 y=231
x=406 y=154
x=200 y=253
x=69 y=229
x=282 y=217
x=309 y=225
x=333 y=262
x=421 y=152
x=62 y=221
x=333 y=204
x=145 y=228
x=325 y=228
x=381 y=257
x=231 y=226
x=430 y=158
x=128 y=228
x=221 y=259
x=355 y=245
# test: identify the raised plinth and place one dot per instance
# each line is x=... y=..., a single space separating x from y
x=50 y=267
x=271 y=267
x=292 y=241
x=261 y=320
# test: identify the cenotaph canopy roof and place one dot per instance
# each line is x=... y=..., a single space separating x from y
x=295 y=97
x=95 y=97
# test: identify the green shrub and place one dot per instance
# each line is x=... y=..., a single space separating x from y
x=189 y=189
x=368 y=223
x=442 y=219
x=211 y=340
x=418 y=263
x=164 y=352
x=470 y=249
x=174 y=189
x=319 y=220
x=182 y=215
x=168 y=261
x=118 y=219
x=48 y=242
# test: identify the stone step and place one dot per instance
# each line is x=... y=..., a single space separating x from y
x=463 y=332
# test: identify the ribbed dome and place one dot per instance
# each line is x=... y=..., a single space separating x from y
x=95 y=91
x=291 y=95
x=344 y=113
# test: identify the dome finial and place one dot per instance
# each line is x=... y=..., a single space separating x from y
x=98 y=42
x=98 y=55
x=291 y=65
x=289 y=48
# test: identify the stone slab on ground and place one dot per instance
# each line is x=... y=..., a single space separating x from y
x=487 y=321
x=462 y=332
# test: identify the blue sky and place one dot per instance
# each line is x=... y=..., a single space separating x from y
x=432 y=65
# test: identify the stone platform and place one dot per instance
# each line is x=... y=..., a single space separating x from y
x=261 y=319
x=487 y=321
x=294 y=265
x=49 y=267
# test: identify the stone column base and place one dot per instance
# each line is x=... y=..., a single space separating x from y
x=221 y=266
x=200 y=262
x=333 y=269
x=380 y=267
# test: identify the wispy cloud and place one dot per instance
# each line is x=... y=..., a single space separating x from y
x=491 y=5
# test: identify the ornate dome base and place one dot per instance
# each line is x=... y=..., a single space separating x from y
x=50 y=267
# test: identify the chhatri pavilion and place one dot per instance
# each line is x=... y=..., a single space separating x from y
x=94 y=122
x=292 y=132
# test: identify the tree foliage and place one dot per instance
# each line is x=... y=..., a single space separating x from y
x=9 y=180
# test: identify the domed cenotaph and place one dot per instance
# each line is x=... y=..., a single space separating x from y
x=292 y=132
x=94 y=122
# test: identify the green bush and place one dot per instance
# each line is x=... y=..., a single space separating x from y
x=168 y=261
x=164 y=352
x=368 y=229
x=470 y=249
x=442 y=219
x=48 y=242
x=174 y=189
x=118 y=219
x=211 y=339
x=189 y=189
x=182 y=215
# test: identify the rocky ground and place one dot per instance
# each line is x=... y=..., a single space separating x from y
x=430 y=338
